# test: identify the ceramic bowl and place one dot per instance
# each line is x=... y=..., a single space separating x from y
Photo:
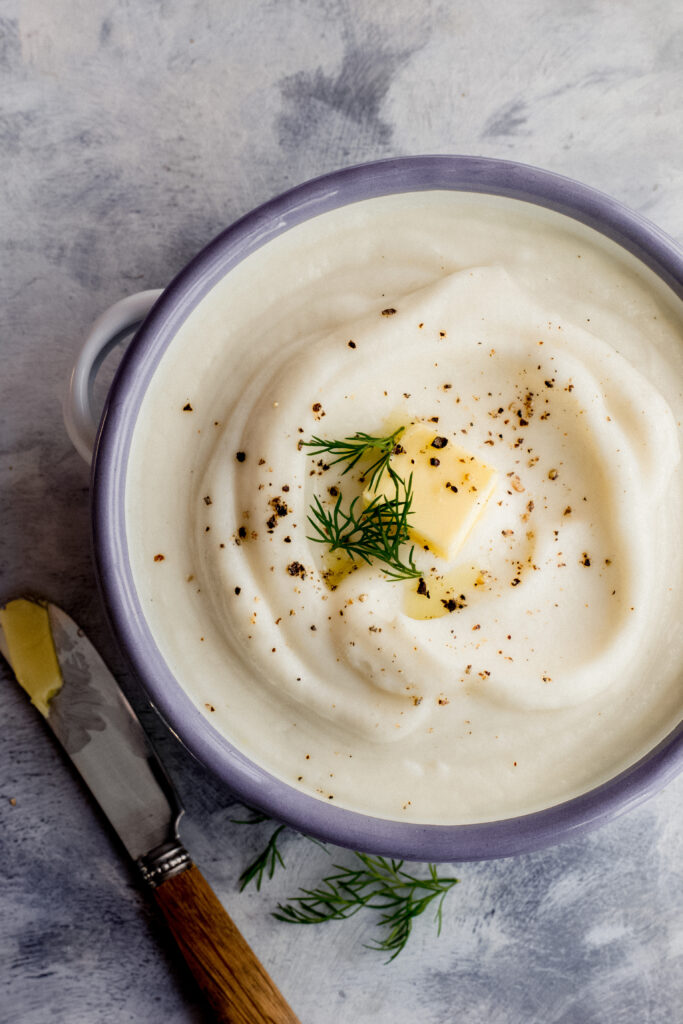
x=247 y=780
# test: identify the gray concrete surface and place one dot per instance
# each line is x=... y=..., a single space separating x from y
x=130 y=134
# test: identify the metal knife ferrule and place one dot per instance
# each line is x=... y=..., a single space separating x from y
x=164 y=862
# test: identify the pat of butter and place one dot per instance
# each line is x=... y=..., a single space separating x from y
x=32 y=655
x=450 y=488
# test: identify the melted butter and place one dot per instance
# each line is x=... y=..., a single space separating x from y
x=337 y=565
x=445 y=592
x=450 y=488
x=32 y=654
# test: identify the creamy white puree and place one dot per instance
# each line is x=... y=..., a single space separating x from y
x=562 y=668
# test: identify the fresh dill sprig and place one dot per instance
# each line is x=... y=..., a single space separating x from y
x=379 y=884
x=353 y=449
x=375 y=533
x=266 y=862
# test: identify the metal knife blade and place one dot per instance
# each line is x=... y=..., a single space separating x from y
x=101 y=734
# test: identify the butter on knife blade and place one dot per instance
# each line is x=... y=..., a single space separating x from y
x=81 y=701
x=30 y=650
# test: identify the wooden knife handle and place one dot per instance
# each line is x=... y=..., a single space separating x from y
x=228 y=972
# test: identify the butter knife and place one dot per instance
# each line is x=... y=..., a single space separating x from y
x=80 y=700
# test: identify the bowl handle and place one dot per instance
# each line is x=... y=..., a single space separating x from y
x=108 y=330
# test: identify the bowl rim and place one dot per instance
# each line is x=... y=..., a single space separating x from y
x=248 y=781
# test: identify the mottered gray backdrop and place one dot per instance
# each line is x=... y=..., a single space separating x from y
x=131 y=132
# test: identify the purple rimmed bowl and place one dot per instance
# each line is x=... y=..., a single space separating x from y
x=247 y=780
